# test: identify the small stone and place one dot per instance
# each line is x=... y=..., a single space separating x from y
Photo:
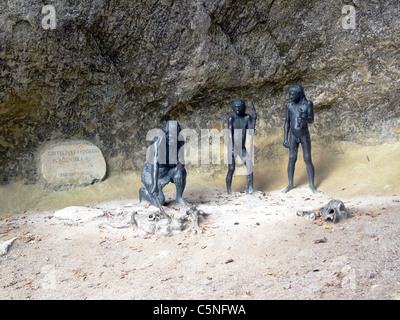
x=4 y=246
x=76 y=213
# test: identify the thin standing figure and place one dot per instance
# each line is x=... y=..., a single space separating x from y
x=238 y=124
x=299 y=113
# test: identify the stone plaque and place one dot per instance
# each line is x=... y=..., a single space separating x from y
x=75 y=162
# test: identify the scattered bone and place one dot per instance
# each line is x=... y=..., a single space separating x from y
x=333 y=211
x=195 y=213
x=127 y=221
x=155 y=222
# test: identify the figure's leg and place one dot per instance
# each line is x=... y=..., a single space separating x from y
x=249 y=167
x=231 y=169
x=179 y=178
x=144 y=193
x=294 y=146
x=249 y=184
x=306 y=145
x=145 y=196
x=229 y=175
x=161 y=196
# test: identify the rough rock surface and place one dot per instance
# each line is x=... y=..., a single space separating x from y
x=112 y=69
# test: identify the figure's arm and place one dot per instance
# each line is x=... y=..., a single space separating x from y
x=286 y=127
x=231 y=133
x=309 y=113
x=154 y=188
x=179 y=177
x=253 y=118
x=180 y=164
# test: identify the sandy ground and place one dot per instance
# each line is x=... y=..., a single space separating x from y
x=253 y=246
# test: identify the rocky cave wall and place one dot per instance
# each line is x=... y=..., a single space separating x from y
x=113 y=69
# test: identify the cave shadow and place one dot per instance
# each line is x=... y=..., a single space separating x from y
x=324 y=165
x=274 y=176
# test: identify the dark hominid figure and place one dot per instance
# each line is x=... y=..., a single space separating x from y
x=299 y=113
x=164 y=166
x=238 y=123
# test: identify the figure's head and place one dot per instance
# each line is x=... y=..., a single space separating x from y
x=239 y=107
x=172 y=130
x=296 y=93
x=171 y=125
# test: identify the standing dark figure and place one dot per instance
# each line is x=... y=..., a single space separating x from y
x=164 y=166
x=299 y=113
x=238 y=123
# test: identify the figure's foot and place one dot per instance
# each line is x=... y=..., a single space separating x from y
x=252 y=190
x=143 y=195
x=182 y=202
x=313 y=189
x=288 y=188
